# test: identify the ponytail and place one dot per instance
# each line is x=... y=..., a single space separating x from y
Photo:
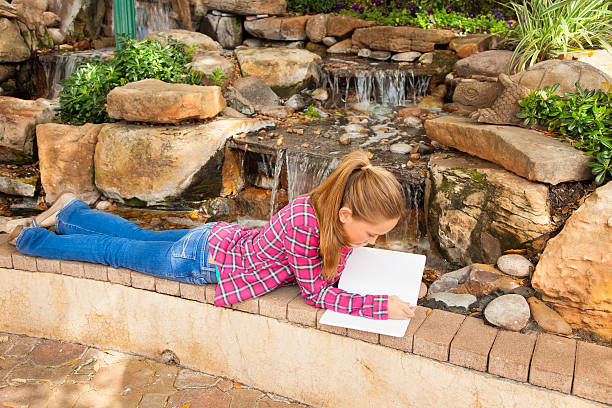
x=371 y=192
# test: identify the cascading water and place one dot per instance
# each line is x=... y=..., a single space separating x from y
x=59 y=66
x=373 y=83
x=306 y=171
x=278 y=166
x=152 y=15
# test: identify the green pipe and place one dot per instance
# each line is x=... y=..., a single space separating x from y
x=123 y=19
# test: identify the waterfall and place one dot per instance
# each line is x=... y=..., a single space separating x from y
x=152 y=15
x=278 y=166
x=305 y=172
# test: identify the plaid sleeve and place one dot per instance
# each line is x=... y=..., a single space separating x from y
x=302 y=248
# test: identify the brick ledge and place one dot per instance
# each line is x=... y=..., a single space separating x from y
x=548 y=361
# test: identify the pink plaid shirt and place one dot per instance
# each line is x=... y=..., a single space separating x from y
x=254 y=262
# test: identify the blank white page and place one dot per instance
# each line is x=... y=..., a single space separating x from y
x=372 y=271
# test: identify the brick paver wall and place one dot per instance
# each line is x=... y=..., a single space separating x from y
x=553 y=362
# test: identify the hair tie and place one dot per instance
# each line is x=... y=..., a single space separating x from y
x=366 y=167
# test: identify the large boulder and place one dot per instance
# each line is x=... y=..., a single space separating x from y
x=80 y=19
x=476 y=210
x=7 y=10
x=201 y=42
x=316 y=27
x=159 y=165
x=205 y=64
x=285 y=70
x=13 y=48
x=487 y=63
x=400 y=39
x=278 y=28
x=248 y=7
x=256 y=92
x=155 y=101
x=18 y=120
x=528 y=153
x=227 y=30
x=340 y=26
x=66 y=159
x=574 y=273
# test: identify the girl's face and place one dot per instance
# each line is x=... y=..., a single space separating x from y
x=361 y=233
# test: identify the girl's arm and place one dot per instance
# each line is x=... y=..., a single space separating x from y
x=302 y=248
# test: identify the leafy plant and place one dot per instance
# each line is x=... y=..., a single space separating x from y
x=546 y=29
x=584 y=118
x=217 y=77
x=317 y=6
x=83 y=98
x=311 y=111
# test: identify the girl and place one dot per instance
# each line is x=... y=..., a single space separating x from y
x=307 y=242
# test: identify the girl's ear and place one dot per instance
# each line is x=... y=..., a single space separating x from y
x=345 y=214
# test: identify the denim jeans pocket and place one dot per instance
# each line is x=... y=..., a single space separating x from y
x=189 y=247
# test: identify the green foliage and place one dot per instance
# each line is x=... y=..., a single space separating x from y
x=311 y=111
x=317 y=6
x=399 y=14
x=584 y=118
x=217 y=77
x=83 y=97
x=546 y=29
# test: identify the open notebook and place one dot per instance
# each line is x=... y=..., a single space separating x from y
x=371 y=271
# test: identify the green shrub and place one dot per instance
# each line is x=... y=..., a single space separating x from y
x=584 y=118
x=546 y=29
x=317 y=6
x=83 y=97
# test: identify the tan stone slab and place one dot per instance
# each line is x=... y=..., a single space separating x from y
x=142 y=281
x=193 y=292
x=121 y=276
x=248 y=7
x=552 y=364
x=472 y=343
x=95 y=271
x=363 y=335
x=593 y=372
x=167 y=287
x=48 y=265
x=274 y=304
x=24 y=262
x=434 y=337
x=342 y=331
x=405 y=343
x=528 y=153
x=72 y=268
x=249 y=306
x=511 y=354
x=298 y=311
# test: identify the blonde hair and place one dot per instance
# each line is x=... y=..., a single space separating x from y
x=371 y=192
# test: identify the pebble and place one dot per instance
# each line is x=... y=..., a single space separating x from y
x=380 y=55
x=297 y=102
x=454 y=301
x=401 y=148
x=443 y=284
x=406 y=56
x=515 y=265
x=345 y=139
x=412 y=121
x=508 y=311
x=547 y=318
x=279 y=112
x=103 y=205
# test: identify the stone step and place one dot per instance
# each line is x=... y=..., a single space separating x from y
x=525 y=152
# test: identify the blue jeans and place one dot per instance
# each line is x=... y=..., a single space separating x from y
x=95 y=236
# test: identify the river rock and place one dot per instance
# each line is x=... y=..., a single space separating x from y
x=225 y=30
x=316 y=27
x=256 y=92
x=340 y=26
x=474 y=196
x=320 y=94
x=553 y=162
x=547 y=318
x=344 y=47
x=400 y=39
x=508 y=311
x=278 y=28
x=18 y=185
x=18 y=120
x=450 y=280
x=329 y=41
x=249 y=7
x=155 y=101
x=298 y=102
x=279 y=112
x=485 y=279
x=57 y=36
x=453 y=302
x=237 y=101
x=406 y=56
x=201 y=42
x=487 y=63
x=471 y=44
x=205 y=64
x=80 y=19
x=12 y=46
x=158 y=165
x=515 y=265
x=401 y=148
x=573 y=273
x=66 y=159
x=286 y=71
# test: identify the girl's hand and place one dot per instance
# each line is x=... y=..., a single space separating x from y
x=398 y=309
